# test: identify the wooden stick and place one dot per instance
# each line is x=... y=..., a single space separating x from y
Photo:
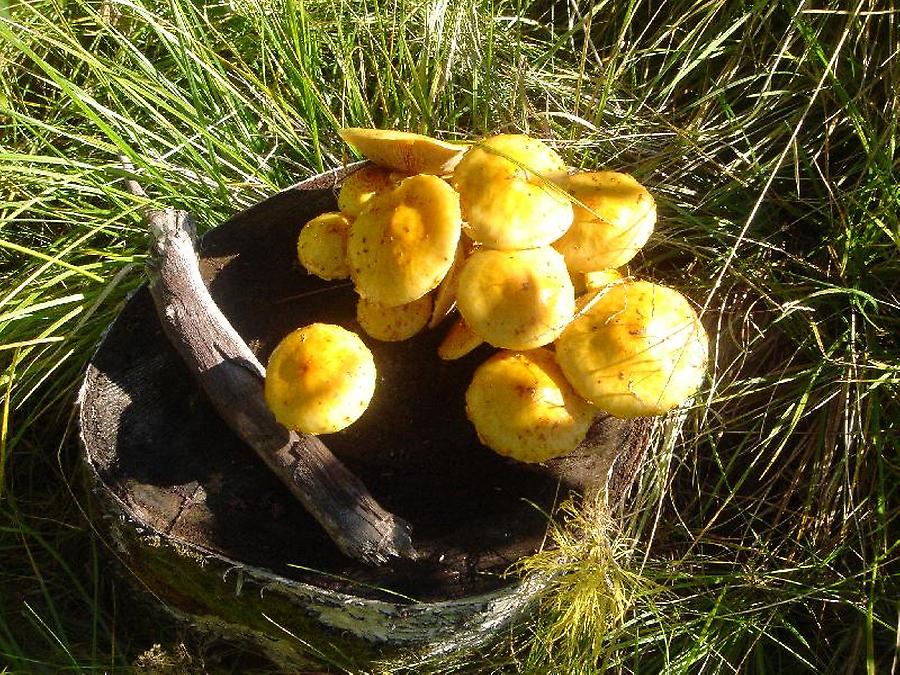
x=232 y=378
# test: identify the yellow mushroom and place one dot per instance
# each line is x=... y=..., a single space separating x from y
x=595 y=281
x=393 y=323
x=593 y=284
x=319 y=379
x=445 y=296
x=404 y=151
x=459 y=341
x=322 y=246
x=639 y=349
x=617 y=222
x=507 y=191
x=516 y=299
x=404 y=240
x=588 y=283
x=522 y=406
x=361 y=185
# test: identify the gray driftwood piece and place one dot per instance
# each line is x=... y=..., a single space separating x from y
x=210 y=535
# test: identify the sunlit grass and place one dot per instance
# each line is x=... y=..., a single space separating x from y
x=762 y=535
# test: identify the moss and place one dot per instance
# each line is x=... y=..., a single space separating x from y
x=228 y=600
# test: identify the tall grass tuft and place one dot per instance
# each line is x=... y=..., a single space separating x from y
x=763 y=534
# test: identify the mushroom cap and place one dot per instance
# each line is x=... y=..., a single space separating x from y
x=404 y=240
x=361 y=185
x=639 y=349
x=620 y=220
x=404 y=151
x=584 y=282
x=516 y=299
x=445 y=296
x=322 y=246
x=507 y=192
x=393 y=323
x=523 y=407
x=600 y=279
x=320 y=379
x=459 y=341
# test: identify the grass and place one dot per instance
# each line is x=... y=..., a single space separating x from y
x=764 y=532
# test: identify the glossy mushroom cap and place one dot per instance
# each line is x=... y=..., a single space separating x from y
x=638 y=350
x=404 y=151
x=516 y=299
x=507 y=190
x=617 y=222
x=522 y=406
x=319 y=379
x=404 y=240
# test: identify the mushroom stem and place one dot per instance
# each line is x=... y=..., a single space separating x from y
x=232 y=378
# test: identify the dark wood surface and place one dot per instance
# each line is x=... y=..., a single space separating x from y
x=160 y=448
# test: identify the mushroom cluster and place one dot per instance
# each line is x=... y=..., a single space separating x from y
x=526 y=253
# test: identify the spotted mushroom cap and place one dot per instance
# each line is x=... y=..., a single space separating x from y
x=404 y=240
x=516 y=299
x=638 y=350
x=617 y=222
x=322 y=246
x=507 y=189
x=522 y=406
x=393 y=323
x=319 y=379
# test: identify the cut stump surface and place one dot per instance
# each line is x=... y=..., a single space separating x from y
x=167 y=469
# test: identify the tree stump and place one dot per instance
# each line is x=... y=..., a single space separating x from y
x=222 y=544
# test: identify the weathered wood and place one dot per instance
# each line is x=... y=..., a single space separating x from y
x=232 y=378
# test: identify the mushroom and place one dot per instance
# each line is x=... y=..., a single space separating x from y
x=508 y=193
x=516 y=299
x=522 y=406
x=445 y=296
x=614 y=217
x=595 y=281
x=322 y=246
x=639 y=349
x=404 y=240
x=319 y=379
x=588 y=283
x=393 y=323
x=404 y=151
x=361 y=185
x=459 y=341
